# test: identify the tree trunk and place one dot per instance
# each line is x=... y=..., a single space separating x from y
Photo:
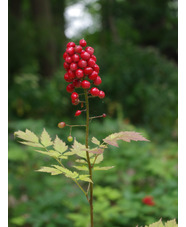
x=46 y=45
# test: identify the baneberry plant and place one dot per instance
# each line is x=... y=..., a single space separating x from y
x=82 y=74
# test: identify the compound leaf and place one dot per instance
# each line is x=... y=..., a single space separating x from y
x=45 y=139
x=126 y=136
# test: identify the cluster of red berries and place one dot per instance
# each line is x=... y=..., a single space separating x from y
x=148 y=200
x=82 y=71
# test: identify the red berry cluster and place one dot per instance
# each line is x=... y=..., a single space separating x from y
x=148 y=200
x=82 y=70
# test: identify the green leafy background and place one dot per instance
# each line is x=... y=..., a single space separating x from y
x=138 y=66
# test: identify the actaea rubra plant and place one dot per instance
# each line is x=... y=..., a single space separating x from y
x=82 y=74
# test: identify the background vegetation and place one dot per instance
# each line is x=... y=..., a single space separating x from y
x=136 y=47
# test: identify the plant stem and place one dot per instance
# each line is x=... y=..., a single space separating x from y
x=88 y=159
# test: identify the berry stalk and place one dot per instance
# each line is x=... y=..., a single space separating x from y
x=88 y=158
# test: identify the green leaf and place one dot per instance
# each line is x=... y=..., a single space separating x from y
x=27 y=135
x=51 y=170
x=85 y=178
x=45 y=139
x=84 y=168
x=95 y=141
x=103 y=168
x=125 y=136
x=59 y=145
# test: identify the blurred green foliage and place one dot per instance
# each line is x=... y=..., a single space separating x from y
x=136 y=47
x=141 y=169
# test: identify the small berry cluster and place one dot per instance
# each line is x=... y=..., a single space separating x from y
x=82 y=71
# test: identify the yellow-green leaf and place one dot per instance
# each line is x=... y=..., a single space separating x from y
x=31 y=144
x=98 y=159
x=171 y=223
x=79 y=149
x=67 y=172
x=53 y=154
x=51 y=170
x=84 y=168
x=95 y=141
x=27 y=135
x=85 y=178
x=103 y=168
x=45 y=139
x=59 y=145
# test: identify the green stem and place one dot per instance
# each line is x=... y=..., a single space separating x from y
x=88 y=159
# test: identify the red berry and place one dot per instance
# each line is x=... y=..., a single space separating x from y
x=66 y=65
x=94 y=57
x=93 y=75
x=101 y=94
x=78 y=112
x=79 y=73
x=85 y=55
x=97 y=81
x=82 y=63
x=61 y=124
x=71 y=44
x=70 y=88
x=65 y=55
x=96 y=68
x=70 y=50
x=104 y=115
x=75 y=102
x=90 y=50
x=82 y=43
x=74 y=96
x=85 y=84
x=88 y=70
x=68 y=59
x=76 y=83
x=73 y=66
x=67 y=78
x=94 y=91
x=75 y=58
x=148 y=200
x=71 y=74
x=91 y=62
x=78 y=49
